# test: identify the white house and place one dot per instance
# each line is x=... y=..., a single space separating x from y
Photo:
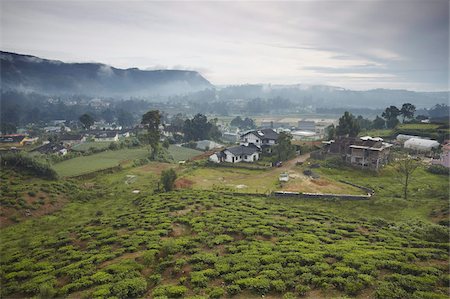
x=241 y=153
x=260 y=138
x=106 y=136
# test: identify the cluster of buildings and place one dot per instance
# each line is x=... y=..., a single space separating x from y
x=64 y=141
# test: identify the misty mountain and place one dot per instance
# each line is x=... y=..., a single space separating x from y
x=330 y=96
x=32 y=74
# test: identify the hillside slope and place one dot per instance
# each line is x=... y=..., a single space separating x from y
x=33 y=74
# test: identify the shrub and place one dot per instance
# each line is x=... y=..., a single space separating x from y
x=198 y=279
x=301 y=290
x=233 y=289
x=289 y=295
x=216 y=293
x=260 y=285
x=149 y=256
x=130 y=287
x=168 y=178
x=278 y=285
x=155 y=278
x=171 y=291
x=46 y=291
x=388 y=290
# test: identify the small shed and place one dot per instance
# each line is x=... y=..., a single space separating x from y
x=421 y=145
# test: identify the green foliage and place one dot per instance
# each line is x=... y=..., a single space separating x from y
x=129 y=287
x=171 y=291
x=438 y=169
x=28 y=163
x=168 y=178
x=347 y=125
x=216 y=293
x=87 y=120
x=284 y=150
x=201 y=239
x=151 y=121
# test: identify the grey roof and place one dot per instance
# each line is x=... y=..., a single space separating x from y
x=72 y=137
x=264 y=134
x=243 y=150
x=49 y=148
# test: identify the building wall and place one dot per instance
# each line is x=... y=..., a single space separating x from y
x=444 y=159
x=251 y=158
x=229 y=157
x=109 y=139
x=241 y=158
x=251 y=138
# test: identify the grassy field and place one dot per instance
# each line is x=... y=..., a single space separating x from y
x=377 y=133
x=180 y=153
x=262 y=181
x=103 y=160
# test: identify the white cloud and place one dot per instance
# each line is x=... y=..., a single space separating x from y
x=242 y=42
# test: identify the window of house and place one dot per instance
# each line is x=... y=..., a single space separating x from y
x=245 y=157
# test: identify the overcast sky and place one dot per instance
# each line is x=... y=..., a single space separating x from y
x=352 y=44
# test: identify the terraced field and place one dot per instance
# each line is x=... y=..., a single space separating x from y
x=198 y=243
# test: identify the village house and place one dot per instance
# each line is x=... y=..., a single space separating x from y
x=12 y=140
x=252 y=143
x=52 y=148
x=30 y=140
x=235 y=154
x=106 y=136
x=263 y=139
x=69 y=140
x=444 y=157
x=365 y=152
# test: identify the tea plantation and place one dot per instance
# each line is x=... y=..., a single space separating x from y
x=203 y=244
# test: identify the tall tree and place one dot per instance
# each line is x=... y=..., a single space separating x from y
x=236 y=122
x=284 y=150
x=378 y=123
x=405 y=167
x=363 y=123
x=151 y=121
x=331 y=132
x=390 y=115
x=407 y=111
x=87 y=120
x=347 y=125
x=197 y=128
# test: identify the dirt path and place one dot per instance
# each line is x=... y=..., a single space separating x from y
x=301 y=158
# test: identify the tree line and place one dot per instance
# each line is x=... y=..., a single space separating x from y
x=349 y=125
